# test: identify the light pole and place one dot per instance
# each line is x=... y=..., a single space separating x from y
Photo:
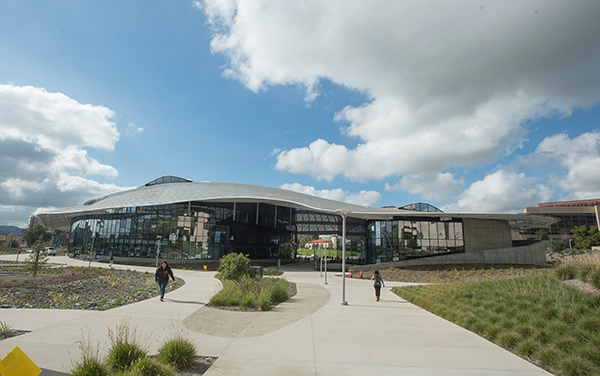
x=344 y=213
x=321 y=261
x=325 y=266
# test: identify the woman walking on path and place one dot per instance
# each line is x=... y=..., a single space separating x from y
x=162 y=277
x=377 y=283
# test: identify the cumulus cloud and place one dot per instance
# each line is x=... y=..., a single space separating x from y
x=501 y=191
x=579 y=157
x=44 y=139
x=365 y=198
x=434 y=186
x=450 y=84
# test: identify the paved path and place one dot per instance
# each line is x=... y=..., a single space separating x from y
x=312 y=335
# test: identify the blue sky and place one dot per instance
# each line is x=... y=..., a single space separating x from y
x=473 y=107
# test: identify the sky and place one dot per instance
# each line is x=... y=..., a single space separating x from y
x=471 y=106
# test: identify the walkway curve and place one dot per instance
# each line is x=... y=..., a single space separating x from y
x=233 y=324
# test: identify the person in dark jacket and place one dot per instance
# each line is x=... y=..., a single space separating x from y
x=162 y=278
x=377 y=283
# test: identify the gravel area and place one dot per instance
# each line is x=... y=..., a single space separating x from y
x=78 y=288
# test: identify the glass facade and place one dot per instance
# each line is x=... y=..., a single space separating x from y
x=568 y=221
x=193 y=230
x=410 y=238
x=207 y=231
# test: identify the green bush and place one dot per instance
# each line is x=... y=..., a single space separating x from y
x=125 y=349
x=124 y=355
x=565 y=271
x=251 y=293
x=149 y=367
x=178 y=352
x=280 y=290
x=235 y=266
x=90 y=367
x=559 y=245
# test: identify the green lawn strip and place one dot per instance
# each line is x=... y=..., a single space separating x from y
x=537 y=317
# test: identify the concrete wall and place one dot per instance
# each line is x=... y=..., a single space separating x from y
x=534 y=254
x=484 y=234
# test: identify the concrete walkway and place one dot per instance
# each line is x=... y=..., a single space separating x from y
x=363 y=338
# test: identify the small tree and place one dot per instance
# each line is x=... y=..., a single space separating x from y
x=586 y=237
x=560 y=245
x=235 y=266
x=34 y=233
x=541 y=234
x=37 y=257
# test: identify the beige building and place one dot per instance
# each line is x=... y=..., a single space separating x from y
x=571 y=214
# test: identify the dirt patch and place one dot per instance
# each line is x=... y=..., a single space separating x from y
x=78 y=288
x=582 y=286
x=200 y=366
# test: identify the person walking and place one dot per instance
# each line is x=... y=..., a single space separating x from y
x=110 y=260
x=162 y=278
x=377 y=283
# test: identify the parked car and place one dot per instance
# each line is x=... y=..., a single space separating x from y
x=51 y=251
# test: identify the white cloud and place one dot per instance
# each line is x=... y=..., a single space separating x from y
x=580 y=157
x=132 y=128
x=450 y=83
x=44 y=139
x=434 y=186
x=501 y=192
x=365 y=198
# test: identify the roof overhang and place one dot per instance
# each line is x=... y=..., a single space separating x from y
x=172 y=193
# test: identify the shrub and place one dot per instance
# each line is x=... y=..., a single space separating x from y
x=90 y=367
x=235 y=266
x=264 y=300
x=565 y=270
x=280 y=290
x=594 y=278
x=90 y=364
x=559 y=245
x=125 y=349
x=124 y=355
x=251 y=293
x=178 y=352
x=6 y=330
x=149 y=367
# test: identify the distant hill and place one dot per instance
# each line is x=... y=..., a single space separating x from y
x=7 y=230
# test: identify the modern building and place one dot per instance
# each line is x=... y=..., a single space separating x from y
x=192 y=220
x=571 y=214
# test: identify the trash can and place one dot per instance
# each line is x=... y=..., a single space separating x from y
x=258 y=270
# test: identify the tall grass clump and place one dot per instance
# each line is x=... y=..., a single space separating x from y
x=150 y=367
x=536 y=316
x=585 y=268
x=241 y=288
x=252 y=293
x=90 y=363
x=125 y=348
x=179 y=352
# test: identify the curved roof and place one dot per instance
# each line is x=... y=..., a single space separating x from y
x=164 y=193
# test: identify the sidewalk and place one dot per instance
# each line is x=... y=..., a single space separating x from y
x=362 y=338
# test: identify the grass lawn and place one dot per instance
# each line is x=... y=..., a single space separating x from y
x=538 y=317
